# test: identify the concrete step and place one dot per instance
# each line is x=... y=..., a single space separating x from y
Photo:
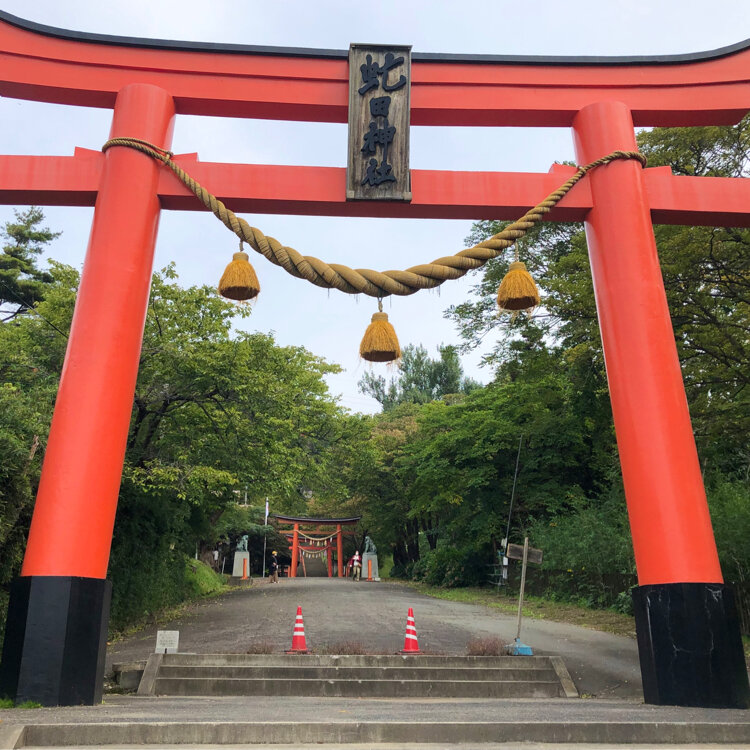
x=356 y=676
x=376 y=688
x=477 y=674
x=351 y=660
x=372 y=734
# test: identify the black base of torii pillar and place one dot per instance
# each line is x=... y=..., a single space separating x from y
x=689 y=645
x=56 y=640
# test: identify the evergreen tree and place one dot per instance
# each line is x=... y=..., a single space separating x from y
x=22 y=283
x=420 y=379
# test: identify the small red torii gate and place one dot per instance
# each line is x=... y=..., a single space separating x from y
x=299 y=529
x=55 y=638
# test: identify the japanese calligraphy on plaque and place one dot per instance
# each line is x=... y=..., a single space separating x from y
x=379 y=85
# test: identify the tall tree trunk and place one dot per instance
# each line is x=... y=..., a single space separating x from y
x=429 y=526
x=399 y=553
x=412 y=539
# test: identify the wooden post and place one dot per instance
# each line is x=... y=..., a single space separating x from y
x=295 y=550
x=369 y=570
x=339 y=551
x=523 y=585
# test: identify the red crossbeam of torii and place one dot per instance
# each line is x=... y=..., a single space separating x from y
x=148 y=82
x=276 y=83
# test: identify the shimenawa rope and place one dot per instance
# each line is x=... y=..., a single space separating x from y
x=364 y=280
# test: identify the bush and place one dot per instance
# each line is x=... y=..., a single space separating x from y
x=201 y=580
x=398 y=571
x=729 y=503
x=487 y=647
x=418 y=570
x=448 y=567
x=588 y=554
x=624 y=602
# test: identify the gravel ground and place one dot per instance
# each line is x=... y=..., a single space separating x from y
x=374 y=615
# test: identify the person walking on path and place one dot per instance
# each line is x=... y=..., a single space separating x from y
x=273 y=569
x=356 y=566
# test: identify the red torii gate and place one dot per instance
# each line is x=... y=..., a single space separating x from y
x=298 y=528
x=688 y=635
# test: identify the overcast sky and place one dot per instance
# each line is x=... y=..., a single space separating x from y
x=298 y=313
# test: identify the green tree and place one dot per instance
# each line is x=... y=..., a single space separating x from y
x=706 y=274
x=420 y=378
x=22 y=283
x=215 y=410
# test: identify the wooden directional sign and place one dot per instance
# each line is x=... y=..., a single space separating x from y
x=515 y=552
x=379 y=95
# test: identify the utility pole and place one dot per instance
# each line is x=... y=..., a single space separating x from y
x=265 y=523
x=510 y=513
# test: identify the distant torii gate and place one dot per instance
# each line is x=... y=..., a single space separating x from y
x=311 y=534
x=688 y=632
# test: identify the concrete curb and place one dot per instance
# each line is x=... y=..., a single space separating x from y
x=12 y=736
x=563 y=675
x=356 y=688
x=242 y=733
x=351 y=660
x=148 y=681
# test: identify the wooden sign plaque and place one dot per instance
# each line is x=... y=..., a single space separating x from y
x=515 y=552
x=379 y=86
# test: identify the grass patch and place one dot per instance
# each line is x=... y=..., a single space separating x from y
x=385 y=565
x=201 y=582
x=10 y=703
x=535 y=607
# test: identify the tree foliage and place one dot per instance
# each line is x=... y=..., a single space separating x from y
x=420 y=378
x=22 y=283
x=451 y=472
x=216 y=411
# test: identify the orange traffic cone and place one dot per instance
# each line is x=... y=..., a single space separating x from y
x=299 y=644
x=411 y=644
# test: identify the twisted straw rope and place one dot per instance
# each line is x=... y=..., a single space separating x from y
x=363 y=280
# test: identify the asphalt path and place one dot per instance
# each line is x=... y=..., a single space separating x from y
x=373 y=615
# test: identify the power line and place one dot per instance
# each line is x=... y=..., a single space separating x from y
x=29 y=307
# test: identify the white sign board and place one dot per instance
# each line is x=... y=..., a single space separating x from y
x=167 y=641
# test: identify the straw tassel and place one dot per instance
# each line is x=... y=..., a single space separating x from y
x=517 y=289
x=380 y=343
x=239 y=281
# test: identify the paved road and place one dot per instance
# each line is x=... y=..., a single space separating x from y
x=374 y=615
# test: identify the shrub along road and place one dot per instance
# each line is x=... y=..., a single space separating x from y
x=340 y=613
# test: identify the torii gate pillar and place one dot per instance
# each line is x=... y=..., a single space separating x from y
x=56 y=634
x=688 y=632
